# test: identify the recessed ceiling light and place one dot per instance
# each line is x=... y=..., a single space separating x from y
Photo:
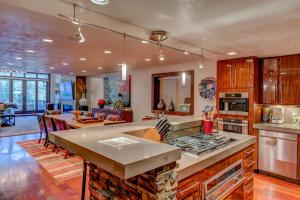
x=83 y=71
x=147 y=59
x=107 y=52
x=186 y=53
x=52 y=68
x=72 y=73
x=41 y=70
x=144 y=42
x=232 y=53
x=9 y=63
x=82 y=59
x=100 y=68
x=18 y=58
x=65 y=64
x=47 y=40
x=100 y=2
x=29 y=51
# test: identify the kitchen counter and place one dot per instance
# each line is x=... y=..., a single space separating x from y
x=100 y=146
x=190 y=164
x=285 y=127
x=103 y=147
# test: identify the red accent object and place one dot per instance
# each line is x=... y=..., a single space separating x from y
x=101 y=102
x=208 y=126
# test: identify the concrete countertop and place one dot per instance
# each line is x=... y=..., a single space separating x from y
x=285 y=127
x=136 y=157
x=99 y=146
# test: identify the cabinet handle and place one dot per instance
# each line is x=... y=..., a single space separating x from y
x=250 y=164
x=249 y=151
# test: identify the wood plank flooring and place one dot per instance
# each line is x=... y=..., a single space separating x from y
x=22 y=178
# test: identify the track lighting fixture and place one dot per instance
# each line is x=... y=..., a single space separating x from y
x=79 y=36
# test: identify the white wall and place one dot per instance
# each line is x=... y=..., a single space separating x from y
x=141 y=87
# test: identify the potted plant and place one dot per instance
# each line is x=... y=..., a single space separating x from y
x=101 y=103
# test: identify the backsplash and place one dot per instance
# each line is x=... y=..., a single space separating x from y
x=288 y=111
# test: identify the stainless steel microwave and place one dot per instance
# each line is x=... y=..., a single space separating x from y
x=234 y=103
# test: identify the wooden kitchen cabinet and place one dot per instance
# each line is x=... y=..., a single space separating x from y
x=189 y=191
x=281 y=80
x=236 y=73
x=225 y=74
x=270 y=73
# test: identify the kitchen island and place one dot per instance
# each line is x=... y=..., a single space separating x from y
x=125 y=166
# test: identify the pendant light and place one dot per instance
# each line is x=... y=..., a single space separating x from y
x=201 y=60
x=161 y=55
x=124 y=65
x=79 y=36
x=183 y=78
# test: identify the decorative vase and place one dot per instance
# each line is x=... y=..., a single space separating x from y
x=83 y=101
x=171 y=106
x=161 y=105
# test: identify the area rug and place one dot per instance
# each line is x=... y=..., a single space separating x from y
x=59 y=168
x=24 y=125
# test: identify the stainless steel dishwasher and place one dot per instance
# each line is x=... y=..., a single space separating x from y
x=278 y=153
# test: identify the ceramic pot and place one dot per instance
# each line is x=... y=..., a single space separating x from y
x=83 y=101
x=161 y=105
x=171 y=106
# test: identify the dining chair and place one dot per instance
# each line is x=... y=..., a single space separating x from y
x=61 y=125
x=42 y=126
x=50 y=127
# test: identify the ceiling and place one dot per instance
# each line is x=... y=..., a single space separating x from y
x=250 y=28
x=23 y=30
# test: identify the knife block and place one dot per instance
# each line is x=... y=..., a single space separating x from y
x=152 y=134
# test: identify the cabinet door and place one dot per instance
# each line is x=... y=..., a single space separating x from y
x=287 y=79
x=270 y=81
x=243 y=73
x=297 y=79
x=225 y=74
x=190 y=191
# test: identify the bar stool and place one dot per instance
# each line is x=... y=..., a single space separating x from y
x=43 y=129
x=61 y=125
x=50 y=127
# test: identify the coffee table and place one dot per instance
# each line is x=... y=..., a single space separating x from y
x=8 y=119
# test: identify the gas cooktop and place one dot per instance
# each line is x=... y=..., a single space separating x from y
x=200 y=143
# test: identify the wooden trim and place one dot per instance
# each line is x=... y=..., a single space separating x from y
x=156 y=90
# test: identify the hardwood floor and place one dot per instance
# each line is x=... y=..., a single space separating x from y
x=268 y=188
x=22 y=178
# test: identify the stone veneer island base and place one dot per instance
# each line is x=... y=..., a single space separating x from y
x=157 y=184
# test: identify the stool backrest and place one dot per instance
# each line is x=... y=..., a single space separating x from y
x=41 y=122
x=61 y=125
x=50 y=125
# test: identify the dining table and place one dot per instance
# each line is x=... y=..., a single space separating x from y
x=72 y=122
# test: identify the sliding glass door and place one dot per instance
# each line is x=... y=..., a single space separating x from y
x=30 y=92
x=30 y=95
x=17 y=95
x=4 y=90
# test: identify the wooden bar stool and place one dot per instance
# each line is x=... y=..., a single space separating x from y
x=50 y=127
x=61 y=125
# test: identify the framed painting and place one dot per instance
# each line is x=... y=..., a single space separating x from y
x=115 y=89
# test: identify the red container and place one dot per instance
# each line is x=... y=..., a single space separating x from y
x=208 y=126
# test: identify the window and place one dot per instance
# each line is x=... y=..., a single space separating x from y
x=42 y=95
x=30 y=75
x=4 y=73
x=30 y=91
x=4 y=90
x=31 y=96
x=18 y=75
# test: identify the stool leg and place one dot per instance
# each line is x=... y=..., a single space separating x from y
x=83 y=180
x=41 y=134
x=54 y=147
